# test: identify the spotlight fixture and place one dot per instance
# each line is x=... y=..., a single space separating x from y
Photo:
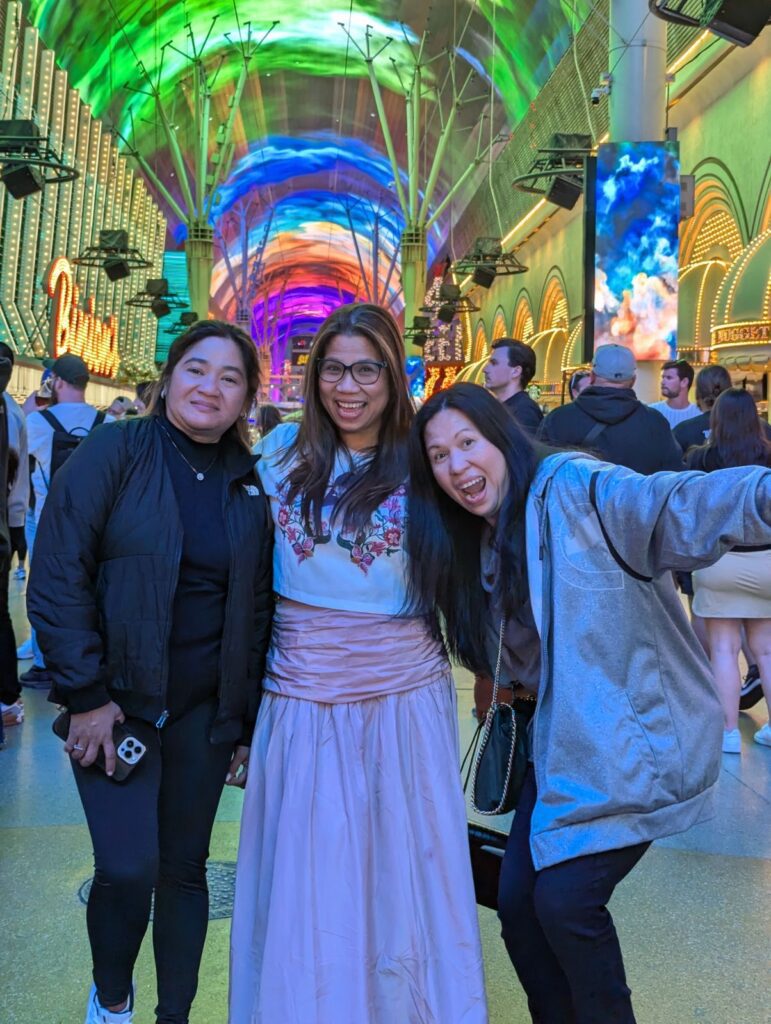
x=559 y=169
x=156 y=289
x=28 y=161
x=738 y=21
x=486 y=261
x=113 y=254
x=446 y=313
x=188 y=319
x=421 y=323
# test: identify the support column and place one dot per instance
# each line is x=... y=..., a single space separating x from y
x=637 y=59
x=199 y=248
x=414 y=268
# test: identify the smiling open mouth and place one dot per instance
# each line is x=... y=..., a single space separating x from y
x=472 y=490
x=349 y=409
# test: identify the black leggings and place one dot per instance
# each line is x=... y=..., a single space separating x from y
x=558 y=931
x=152 y=832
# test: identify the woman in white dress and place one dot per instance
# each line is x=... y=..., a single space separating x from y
x=354 y=900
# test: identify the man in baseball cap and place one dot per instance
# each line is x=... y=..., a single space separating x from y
x=69 y=368
x=608 y=420
x=52 y=433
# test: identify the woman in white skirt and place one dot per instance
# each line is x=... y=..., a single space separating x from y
x=737 y=588
x=354 y=899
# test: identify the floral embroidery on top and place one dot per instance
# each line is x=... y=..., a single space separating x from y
x=383 y=535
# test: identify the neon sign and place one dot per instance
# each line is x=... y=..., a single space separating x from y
x=78 y=330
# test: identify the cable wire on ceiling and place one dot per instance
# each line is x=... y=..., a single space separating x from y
x=492 y=125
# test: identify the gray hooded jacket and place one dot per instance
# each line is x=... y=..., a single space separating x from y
x=627 y=735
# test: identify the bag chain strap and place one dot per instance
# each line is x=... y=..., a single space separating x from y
x=486 y=735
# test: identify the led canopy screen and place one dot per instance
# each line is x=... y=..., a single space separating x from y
x=636 y=247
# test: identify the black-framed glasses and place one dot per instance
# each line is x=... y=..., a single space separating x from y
x=365 y=371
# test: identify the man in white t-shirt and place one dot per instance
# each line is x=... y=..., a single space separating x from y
x=69 y=379
x=676 y=381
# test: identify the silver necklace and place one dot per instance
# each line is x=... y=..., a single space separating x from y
x=199 y=474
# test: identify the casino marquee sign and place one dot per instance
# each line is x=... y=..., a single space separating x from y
x=77 y=329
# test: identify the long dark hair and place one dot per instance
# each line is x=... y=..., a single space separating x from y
x=317 y=442
x=443 y=539
x=199 y=331
x=736 y=431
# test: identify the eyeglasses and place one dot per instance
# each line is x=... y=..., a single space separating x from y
x=366 y=371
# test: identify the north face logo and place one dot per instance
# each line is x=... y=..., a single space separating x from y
x=252 y=491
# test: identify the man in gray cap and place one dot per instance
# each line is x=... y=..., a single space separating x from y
x=608 y=419
x=52 y=433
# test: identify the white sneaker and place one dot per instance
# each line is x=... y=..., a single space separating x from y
x=21 y=573
x=732 y=741
x=763 y=735
x=24 y=651
x=96 y=1013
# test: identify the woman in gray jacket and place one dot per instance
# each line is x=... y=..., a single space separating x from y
x=574 y=557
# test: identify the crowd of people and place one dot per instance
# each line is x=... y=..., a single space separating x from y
x=281 y=616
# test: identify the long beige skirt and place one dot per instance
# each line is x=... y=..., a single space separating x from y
x=737 y=586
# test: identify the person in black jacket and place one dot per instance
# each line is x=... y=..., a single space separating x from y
x=608 y=419
x=151 y=591
x=508 y=372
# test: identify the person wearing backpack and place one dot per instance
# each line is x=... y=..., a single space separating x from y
x=610 y=421
x=53 y=434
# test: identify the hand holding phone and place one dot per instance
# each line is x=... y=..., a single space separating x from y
x=91 y=731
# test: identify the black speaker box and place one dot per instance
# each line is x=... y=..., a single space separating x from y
x=116 y=269
x=449 y=291
x=113 y=239
x=160 y=308
x=188 y=319
x=419 y=339
x=484 y=275
x=564 y=192
x=157 y=286
x=22 y=179
x=17 y=134
x=421 y=323
x=446 y=314
x=740 y=21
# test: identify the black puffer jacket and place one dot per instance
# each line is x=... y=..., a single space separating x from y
x=634 y=435
x=105 y=569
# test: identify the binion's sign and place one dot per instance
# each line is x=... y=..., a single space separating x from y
x=77 y=329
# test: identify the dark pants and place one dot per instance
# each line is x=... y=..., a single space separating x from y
x=9 y=680
x=18 y=543
x=152 y=832
x=558 y=931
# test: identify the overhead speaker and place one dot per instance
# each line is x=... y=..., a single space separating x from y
x=419 y=339
x=157 y=286
x=16 y=135
x=160 y=308
x=113 y=239
x=22 y=179
x=188 y=319
x=564 y=192
x=446 y=314
x=484 y=274
x=449 y=291
x=740 y=21
x=116 y=269
x=421 y=323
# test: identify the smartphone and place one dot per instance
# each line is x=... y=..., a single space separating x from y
x=128 y=748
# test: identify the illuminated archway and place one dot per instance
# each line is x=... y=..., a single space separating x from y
x=551 y=339
x=479 y=348
x=522 y=326
x=499 y=325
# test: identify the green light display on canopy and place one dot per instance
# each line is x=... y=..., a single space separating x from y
x=308 y=101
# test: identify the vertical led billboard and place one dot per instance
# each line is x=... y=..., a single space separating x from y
x=637 y=198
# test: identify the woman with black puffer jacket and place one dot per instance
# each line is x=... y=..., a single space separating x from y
x=151 y=591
